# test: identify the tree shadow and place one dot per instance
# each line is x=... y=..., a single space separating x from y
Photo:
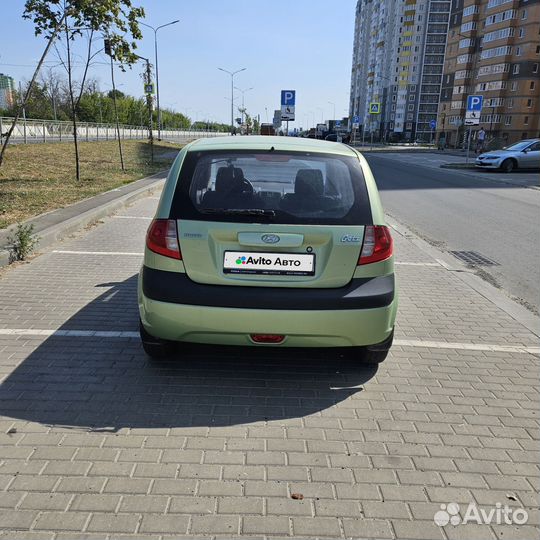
x=105 y=382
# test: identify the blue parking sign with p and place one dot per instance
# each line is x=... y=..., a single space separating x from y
x=474 y=103
x=288 y=97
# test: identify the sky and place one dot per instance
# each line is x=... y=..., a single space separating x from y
x=302 y=45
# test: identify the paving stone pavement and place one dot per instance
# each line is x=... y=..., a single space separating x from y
x=97 y=442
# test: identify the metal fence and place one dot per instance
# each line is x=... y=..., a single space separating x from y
x=40 y=131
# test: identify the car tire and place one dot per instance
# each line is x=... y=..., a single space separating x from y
x=375 y=354
x=155 y=348
x=508 y=165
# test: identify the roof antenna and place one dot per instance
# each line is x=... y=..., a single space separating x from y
x=272 y=149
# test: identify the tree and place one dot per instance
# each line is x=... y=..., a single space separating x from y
x=69 y=20
x=52 y=34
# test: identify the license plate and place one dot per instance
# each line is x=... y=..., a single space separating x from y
x=287 y=264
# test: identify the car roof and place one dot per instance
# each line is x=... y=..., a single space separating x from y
x=527 y=141
x=262 y=142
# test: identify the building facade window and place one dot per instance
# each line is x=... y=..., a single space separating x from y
x=495 y=3
x=470 y=10
x=468 y=26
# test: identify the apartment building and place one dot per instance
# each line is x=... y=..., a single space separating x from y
x=493 y=50
x=398 y=59
x=7 y=86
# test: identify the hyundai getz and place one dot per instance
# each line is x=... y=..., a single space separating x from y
x=275 y=242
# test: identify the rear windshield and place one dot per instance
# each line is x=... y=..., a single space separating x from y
x=283 y=187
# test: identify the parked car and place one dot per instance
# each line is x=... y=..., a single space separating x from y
x=269 y=242
x=345 y=137
x=521 y=155
x=268 y=129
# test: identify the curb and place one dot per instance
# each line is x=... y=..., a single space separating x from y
x=512 y=308
x=465 y=166
x=61 y=230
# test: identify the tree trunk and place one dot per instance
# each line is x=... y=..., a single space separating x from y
x=30 y=86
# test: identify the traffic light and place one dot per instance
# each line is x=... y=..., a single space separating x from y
x=107 y=47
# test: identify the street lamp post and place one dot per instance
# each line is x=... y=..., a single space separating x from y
x=157 y=72
x=243 y=92
x=334 y=105
x=232 y=74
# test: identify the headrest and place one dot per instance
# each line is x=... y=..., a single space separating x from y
x=224 y=178
x=309 y=183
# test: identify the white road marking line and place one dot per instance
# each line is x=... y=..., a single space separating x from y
x=132 y=217
x=417 y=263
x=399 y=342
x=98 y=252
x=68 y=333
x=466 y=346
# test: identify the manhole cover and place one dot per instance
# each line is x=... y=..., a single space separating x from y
x=474 y=258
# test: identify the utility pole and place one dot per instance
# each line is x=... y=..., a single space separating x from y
x=148 y=84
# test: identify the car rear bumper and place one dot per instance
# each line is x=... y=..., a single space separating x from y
x=360 y=314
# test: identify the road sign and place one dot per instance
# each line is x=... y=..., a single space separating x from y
x=356 y=122
x=337 y=124
x=149 y=88
x=288 y=97
x=288 y=101
x=374 y=107
x=433 y=124
x=474 y=103
x=277 y=119
x=472 y=118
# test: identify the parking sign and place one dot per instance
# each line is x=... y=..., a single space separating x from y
x=474 y=103
x=288 y=102
x=288 y=97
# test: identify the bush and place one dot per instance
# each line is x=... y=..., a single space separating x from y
x=22 y=244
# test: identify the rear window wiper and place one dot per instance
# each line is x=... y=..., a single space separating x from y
x=239 y=211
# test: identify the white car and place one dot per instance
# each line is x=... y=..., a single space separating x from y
x=521 y=155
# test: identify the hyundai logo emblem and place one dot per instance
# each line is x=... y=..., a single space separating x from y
x=270 y=238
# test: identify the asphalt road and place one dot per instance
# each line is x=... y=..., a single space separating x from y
x=468 y=211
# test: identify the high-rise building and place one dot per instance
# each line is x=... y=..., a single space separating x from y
x=494 y=51
x=7 y=86
x=398 y=59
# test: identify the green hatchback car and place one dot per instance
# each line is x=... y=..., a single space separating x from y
x=275 y=242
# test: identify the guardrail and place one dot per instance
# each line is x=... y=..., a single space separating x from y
x=40 y=131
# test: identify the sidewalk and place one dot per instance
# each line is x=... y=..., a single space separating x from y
x=98 y=441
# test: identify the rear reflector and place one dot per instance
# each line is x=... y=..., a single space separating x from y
x=162 y=238
x=267 y=338
x=378 y=244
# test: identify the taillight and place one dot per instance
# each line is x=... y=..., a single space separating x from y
x=267 y=338
x=162 y=238
x=378 y=244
